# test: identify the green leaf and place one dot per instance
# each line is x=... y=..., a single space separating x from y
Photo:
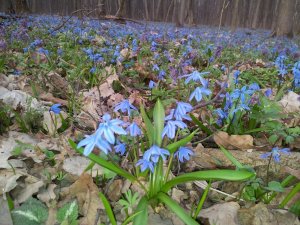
x=69 y=212
x=159 y=120
x=142 y=217
x=295 y=208
x=275 y=186
x=174 y=146
x=108 y=209
x=273 y=138
x=31 y=212
x=232 y=175
x=104 y=163
x=290 y=195
x=201 y=125
x=230 y=157
x=148 y=124
x=187 y=219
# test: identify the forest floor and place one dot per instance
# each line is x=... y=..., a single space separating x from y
x=109 y=123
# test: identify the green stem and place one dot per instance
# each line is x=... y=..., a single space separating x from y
x=202 y=200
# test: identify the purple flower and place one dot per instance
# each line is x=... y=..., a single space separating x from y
x=120 y=148
x=109 y=127
x=236 y=76
x=152 y=84
x=145 y=164
x=124 y=106
x=268 y=92
x=275 y=153
x=134 y=130
x=94 y=140
x=200 y=91
x=183 y=153
x=171 y=127
x=195 y=76
x=153 y=154
x=55 y=108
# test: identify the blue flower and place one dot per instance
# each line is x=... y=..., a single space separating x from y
x=120 y=148
x=155 y=67
x=134 y=130
x=55 y=108
x=241 y=93
x=195 y=76
x=124 y=106
x=182 y=109
x=268 y=92
x=281 y=67
x=275 y=153
x=222 y=116
x=171 y=127
x=94 y=140
x=296 y=72
x=153 y=154
x=236 y=76
x=152 y=84
x=200 y=91
x=93 y=70
x=254 y=87
x=145 y=164
x=109 y=127
x=161 y=74
x=183 y=153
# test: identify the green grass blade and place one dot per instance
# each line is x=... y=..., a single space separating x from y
x=174 y=146
x=104 y=163
x=201 y=125
x=159 y=121
x=148 y=124
x=179 y=211
x=142 y=218
x=290 y=195
x=108 y=209
x=231 y=158
x=231 y=175
x=130 y=218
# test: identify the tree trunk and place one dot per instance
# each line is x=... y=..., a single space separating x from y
x=256 y=15
x=120 y=11
x=21 y=6
x=284 y=25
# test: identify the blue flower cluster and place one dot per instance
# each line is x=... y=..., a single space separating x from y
x=296 y=72
x=280 y=65
x=275 y=153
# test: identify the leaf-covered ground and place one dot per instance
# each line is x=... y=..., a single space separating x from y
x=235 y=94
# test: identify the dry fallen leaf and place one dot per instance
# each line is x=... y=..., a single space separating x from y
x=290 y=102
x=8 y=180
x=5 y=212
x=86 y=193
x=30 y=189
x=242 y=142
x=219 y=214
x=77 y=164
x=48 y=194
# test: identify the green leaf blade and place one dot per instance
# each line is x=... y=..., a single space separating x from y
x=179 y=211
x=230 y=175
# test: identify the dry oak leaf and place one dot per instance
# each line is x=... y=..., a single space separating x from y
x=242 y=142
x=86 y=192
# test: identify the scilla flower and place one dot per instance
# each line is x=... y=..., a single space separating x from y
x=109 y=127
x=199 y=92
x=124 y=106
x=183 y=154
x=275 y=153
x=55 y=108
x=134 y=130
